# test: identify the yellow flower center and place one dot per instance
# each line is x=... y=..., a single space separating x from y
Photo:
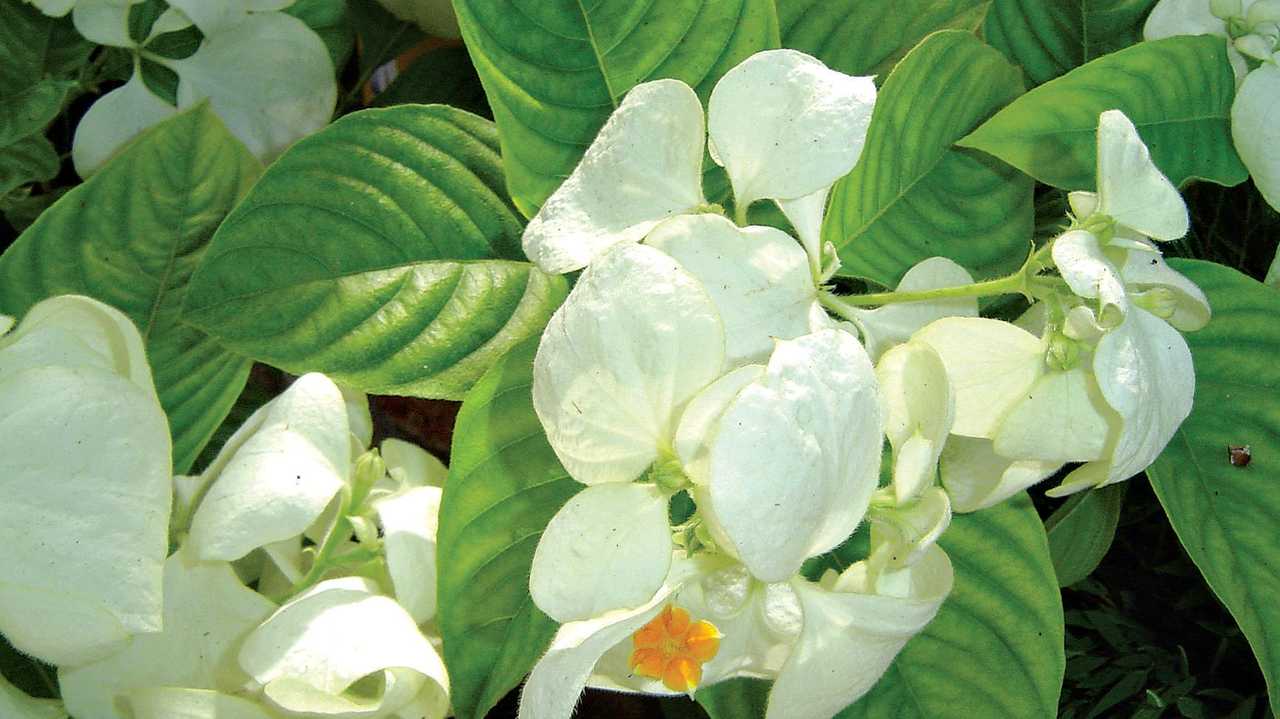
x=673 y=648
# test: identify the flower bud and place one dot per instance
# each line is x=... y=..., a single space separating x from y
x=1064 y=352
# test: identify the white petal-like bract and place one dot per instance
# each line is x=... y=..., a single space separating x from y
x=975 y=477
x=608 y=548
x=796 y=454
x=637 y=337
x=920 y=411
x=1090 y=274
x=1131 y=188
x=276 y=481
x=409 y=520
x=207 y=612
x=758 y=278
x=892 y=324
x=644 y=166
x=1255 y=128
x=784 y=125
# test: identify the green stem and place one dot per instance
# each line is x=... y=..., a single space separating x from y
x=1013 y=284
x=740 y=214
x=322 y=562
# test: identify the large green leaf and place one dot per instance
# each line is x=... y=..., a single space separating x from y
x=381 y=251
x=1177 y=91
x=555 y=69
x=36 y=47
x=131 y=236
x=996 y=648
x=504 y=485
x=912 y=195
x=1081 y=532
x=868 y=37
x=1050 y=38
x=1228 y=516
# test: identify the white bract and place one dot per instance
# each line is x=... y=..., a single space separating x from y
x=783 y=125
x=1104 y=378
x=266 y=75
x=1252 y=28
x=84 y=483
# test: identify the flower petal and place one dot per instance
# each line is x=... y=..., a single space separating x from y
x=700 y=417
x=269 y=78
x=409 y=522
x=636 y=339
x=1182 y=17
x=784 y=125
x=976 y=477
x=608 y=548
x=72 y=331
x=990 y=364
x=921 y=409
x=309 y=653
x=806 y=214
x=1255 y=128
x=105 y=22
x=207 y=611
x=85 y=493
x=1131 y=188
x=116 y=118
x=758 y=278
x=1063 y=419
x=1144 y=371
x=1090 y=274
x=893 y=324
x=644 y=166
x=849 y=639
x=213 y=17
x=814 y=418
x=275 y=482
x=412 y=465
x=1148 y=270
x=178 y=703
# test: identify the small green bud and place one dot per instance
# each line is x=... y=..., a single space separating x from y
x=703 y=535
x=1064 y=352
x=370 y=469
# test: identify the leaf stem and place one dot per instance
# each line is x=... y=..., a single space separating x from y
x=1013 y=284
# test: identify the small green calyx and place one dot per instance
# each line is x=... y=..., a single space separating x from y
x=708 y=208
x=669 y=475
x=1064 y=352
x=1101 y=226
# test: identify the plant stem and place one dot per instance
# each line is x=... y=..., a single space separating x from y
x=324 y=554
x=1013 y=284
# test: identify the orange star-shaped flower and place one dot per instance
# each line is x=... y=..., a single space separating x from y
x=673 y=648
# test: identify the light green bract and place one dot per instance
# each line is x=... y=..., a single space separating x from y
x=266 y=75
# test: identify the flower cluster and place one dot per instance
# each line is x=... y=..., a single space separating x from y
x=136 y=584
x=728 y=430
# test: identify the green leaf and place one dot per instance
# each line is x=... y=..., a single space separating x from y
x=996 y=648
x=380 y=251
x=31 y=109
x=1227 y=516
x=329 y=19
x=1081 y=531
x=382 y=35
x=735 y=699
x=869 y=37
x=504 y=485
x=1050 y=38
x=131 y=236
x=912 y=195
x=36 y=47
x=1177 y=91
x=555 y=70
x=31 y=159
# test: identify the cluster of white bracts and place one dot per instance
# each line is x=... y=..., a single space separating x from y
x=693 y=355
x=89 y=509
